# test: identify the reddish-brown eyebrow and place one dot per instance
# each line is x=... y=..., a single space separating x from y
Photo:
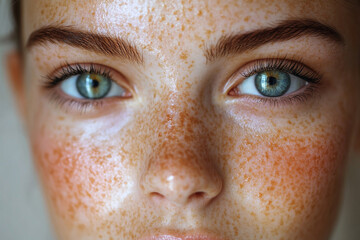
x=286 y=30
x=226 y=45
x=99 y=43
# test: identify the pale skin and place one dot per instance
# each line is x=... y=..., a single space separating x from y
x=180 y=155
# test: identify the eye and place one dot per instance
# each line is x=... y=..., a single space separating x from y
x=87 y=82
x=85 y=88
x=272 y=78
x=273 y=83
x=91 y=86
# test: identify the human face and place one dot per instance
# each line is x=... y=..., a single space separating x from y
x=180 y=150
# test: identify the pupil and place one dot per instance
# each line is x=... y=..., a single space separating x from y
x=272 y=80
x=94 y=83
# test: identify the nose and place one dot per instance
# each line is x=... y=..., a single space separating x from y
x=181 y=170
x=181 y=179
x=181 y=182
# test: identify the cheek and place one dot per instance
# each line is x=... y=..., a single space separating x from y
x=81 y=175
x=286 y=180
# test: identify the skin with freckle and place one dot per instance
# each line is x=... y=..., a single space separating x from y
x=181 y=155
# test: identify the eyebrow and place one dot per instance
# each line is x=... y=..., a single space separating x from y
x=95 y=42
x=286 y=30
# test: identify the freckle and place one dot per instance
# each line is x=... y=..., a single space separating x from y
x=81 y=227
x=150 y=18
x=312 y=119
x=89 y=195
x=183 y=55
x=208 y=33
x=246 y=19
x=92 y=180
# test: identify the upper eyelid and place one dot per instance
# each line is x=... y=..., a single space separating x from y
x=66 y=70
x=285 y=64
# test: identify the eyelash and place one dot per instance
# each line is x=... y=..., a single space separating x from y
x=78 y=105
x=294 y=67
x=76 y=69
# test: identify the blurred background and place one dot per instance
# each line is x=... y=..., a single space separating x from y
x=22 y=209
x=23 y=213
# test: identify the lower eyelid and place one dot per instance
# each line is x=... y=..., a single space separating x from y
x=83 y=106
x=302 y=95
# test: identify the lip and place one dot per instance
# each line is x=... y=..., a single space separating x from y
x=186 y=237
x=174 y=235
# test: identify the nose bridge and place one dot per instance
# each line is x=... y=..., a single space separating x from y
x=181 y=133
x=179 y=167
x=180 y=122
x=177 y=111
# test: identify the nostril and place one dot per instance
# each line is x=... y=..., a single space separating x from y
x=157 y=196
x=197 y=196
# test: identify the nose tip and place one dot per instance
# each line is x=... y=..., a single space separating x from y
x=183 y=188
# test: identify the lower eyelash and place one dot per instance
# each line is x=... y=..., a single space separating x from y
x=79 y=106
x=309 y=91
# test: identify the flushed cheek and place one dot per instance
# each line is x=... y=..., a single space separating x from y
x=290 y=181
x=81 y=176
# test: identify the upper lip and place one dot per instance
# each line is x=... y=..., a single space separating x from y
x=180 y=235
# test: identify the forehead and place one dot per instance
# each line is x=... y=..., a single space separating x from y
x=156 y=22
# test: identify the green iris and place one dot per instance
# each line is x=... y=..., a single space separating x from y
x=272 y=83
x=93 y=86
